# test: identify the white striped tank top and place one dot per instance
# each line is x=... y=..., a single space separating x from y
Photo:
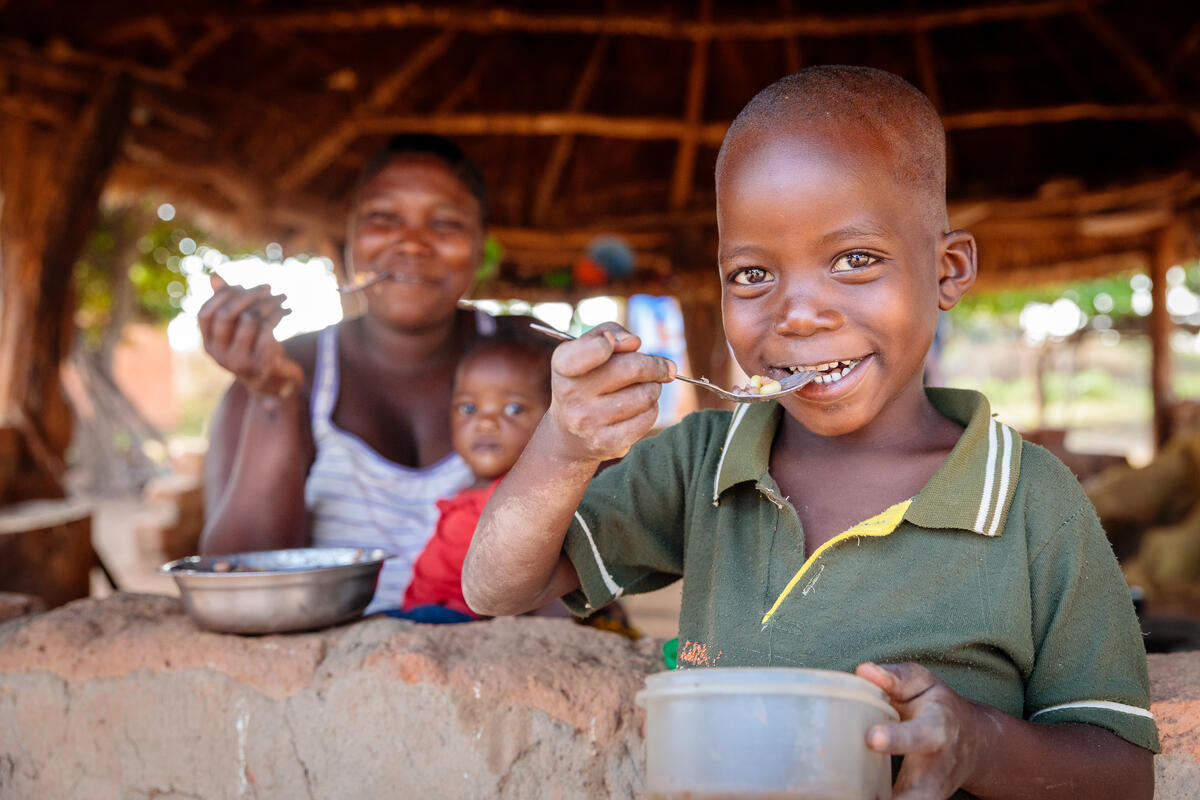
x=358 y=498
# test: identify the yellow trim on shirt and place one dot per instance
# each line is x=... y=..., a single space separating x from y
x=881 y=524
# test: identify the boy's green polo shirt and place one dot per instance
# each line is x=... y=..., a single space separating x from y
x=997 y=576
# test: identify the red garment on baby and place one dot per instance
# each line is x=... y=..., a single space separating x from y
x=437 y=573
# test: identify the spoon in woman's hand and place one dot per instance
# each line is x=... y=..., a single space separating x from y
x=365 y=280
x=786 y=386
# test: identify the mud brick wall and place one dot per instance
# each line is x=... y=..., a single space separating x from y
x=126 y=698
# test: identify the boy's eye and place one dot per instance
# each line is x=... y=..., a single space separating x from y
x=751 y=275
x=853 y=261
x=466 y=409
x=513 y=409
x=446 y=224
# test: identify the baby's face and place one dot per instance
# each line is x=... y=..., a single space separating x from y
x=827 y=261
x=499 y=398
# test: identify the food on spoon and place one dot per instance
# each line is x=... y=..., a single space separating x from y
x=363 y=277
x=764 y=385
x=759 y=384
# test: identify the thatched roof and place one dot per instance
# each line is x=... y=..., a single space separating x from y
x=1073 y=124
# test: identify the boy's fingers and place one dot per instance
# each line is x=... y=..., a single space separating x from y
x=902 y=683
x=631 y=401
x=623 y=340
x=899 y=738
x=578 y=358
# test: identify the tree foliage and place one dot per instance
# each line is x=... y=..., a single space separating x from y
x=129 y=270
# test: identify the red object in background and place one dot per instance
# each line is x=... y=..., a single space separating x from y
x=587 y=272
x=437 y=573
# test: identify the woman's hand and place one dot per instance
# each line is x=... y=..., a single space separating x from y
x=237 y=325
x=939 y=732
x=605 y=393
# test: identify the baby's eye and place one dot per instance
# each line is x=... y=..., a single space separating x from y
x=751 y=275
x=466 y=409
x=513 y=409
x=853 y=261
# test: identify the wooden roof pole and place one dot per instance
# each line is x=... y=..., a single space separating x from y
x=483 y=62
x=50 y=182
x=685 y=156
x=382 y=95
x=566 y=142
x=556 y=123
x=499 y=20
x=1162 y=259
x=550 y=123
x=218 y=33
x=1145 y=74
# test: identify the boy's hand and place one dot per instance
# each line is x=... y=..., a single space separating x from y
x=605 y=393
x=938 y=734
x=237 y=325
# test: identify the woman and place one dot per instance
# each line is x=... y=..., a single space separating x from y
x=343 y=437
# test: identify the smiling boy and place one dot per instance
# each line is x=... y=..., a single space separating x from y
x=863 y=520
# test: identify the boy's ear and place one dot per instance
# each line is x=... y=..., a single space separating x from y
x=956 y=268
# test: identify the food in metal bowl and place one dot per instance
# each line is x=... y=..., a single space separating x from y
x=276 y=591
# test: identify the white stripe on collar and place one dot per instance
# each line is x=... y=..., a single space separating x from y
x=1002 y=491
x=734 y=421
x=988 y=479
x=996 y=479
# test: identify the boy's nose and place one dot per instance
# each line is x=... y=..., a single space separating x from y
x=806 y=313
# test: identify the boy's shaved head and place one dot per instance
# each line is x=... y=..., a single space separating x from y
x=885 y=106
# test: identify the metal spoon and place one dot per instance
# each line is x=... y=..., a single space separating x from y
x=789 y=384
x=378 y=277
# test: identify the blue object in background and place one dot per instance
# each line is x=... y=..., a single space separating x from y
x=658 y=322
x=614 y=255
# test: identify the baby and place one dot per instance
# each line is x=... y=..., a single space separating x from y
x=501 y=391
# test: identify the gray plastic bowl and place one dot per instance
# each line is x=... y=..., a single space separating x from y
x=770 y=732
x=289 y=590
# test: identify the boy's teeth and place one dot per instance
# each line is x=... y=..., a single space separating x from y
x=830 y=372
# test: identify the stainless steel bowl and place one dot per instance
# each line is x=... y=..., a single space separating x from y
x=273 y=591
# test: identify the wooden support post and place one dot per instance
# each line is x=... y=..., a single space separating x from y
x=1162 y=259
x=50 y=182
x=700 y=304
x=707 y=352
